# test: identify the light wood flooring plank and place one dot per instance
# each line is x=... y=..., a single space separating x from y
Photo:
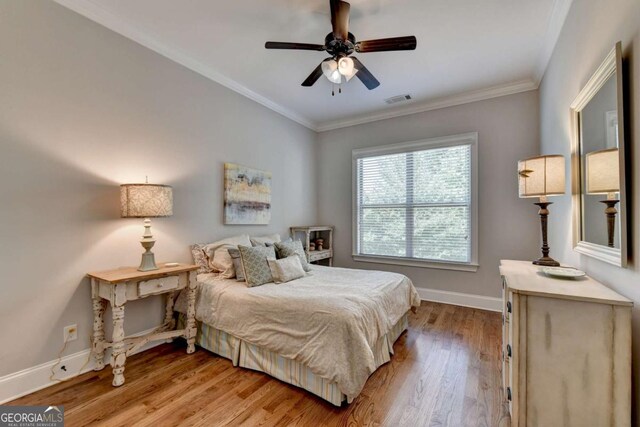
x=445 y=372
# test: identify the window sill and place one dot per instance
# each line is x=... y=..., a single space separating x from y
x=440 y=265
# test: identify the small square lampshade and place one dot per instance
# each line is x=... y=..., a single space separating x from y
x=541 y=176
x=145 y=200
x=603 y=171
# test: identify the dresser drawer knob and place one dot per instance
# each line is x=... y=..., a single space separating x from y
x=508 y=306
x=159 y=284
x=509 y=394
x=509 y=350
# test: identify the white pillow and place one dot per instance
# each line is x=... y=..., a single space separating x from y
x=286 y=269
x=263 y=240
x=218 y=252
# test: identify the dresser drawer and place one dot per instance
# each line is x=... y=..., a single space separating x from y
x=149 y=287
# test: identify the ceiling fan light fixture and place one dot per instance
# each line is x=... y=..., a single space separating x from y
x=346 y=66
x=329 y=66
x=339 y=67
x=335 y=77
x=331 y=71
x=350 y=76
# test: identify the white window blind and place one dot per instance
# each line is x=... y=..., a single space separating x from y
x=416 y=203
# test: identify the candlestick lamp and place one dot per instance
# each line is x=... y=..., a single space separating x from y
x=603 y=177
x=542 y=176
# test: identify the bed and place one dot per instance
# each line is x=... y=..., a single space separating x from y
x=326 y=332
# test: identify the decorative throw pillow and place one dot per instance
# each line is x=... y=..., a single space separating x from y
x=200 y=258
x=265 y=240
x=219 y=258
x=286 y=249
x=286 y=269
x=237 y=264
x=256 y=267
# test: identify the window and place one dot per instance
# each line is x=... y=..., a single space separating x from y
x=416 y=204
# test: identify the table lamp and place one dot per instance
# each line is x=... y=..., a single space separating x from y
x=146 y=201
x=542 y=176
x=603 y=177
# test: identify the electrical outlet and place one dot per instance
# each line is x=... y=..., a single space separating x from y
x=70 y=333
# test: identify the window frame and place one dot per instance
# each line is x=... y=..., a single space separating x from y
x=470 y=139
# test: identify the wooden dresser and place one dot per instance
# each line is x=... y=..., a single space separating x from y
x=566 y=350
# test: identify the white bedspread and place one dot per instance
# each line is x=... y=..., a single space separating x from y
x=329 y=320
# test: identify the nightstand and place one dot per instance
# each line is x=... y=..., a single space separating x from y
x=128 y=284
x=310 y=234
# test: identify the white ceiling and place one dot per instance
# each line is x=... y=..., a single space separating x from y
x=467 y=49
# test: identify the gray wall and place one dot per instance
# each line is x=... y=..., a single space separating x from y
x=589 y=33
x=508 y=131
x=83 y=110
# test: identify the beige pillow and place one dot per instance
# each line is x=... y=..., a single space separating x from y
x=237 y=264
x=286 y=249
x=263 y=240
x=286 y=269
x=218 y=252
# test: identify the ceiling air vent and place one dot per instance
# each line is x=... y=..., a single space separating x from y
x=396 y=99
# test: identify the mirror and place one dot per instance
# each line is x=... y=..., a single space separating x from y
x=598 y=172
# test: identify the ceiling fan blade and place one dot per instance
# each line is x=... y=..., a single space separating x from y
x=340 y=18
x=383 y=45
x=298 y=46
x=315 y=75
x=364 y=74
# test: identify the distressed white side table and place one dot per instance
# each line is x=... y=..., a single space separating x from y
x=128 y=284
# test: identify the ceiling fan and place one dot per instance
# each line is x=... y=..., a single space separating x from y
x=341 y=44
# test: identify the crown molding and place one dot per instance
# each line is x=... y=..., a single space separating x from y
x=98 y=14
x=557 y=17
x=435 y=104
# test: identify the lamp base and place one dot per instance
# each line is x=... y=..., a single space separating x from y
x=610 y=212
x=148 y=262
x=547 y=262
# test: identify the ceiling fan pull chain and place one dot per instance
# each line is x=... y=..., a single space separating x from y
x=333 y=89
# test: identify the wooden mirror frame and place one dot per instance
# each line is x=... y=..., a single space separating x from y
x=612 y=65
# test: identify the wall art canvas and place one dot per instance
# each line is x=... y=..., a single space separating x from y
x=247 y=195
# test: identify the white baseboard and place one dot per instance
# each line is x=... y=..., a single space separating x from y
x=464 y=300
x=36 y=378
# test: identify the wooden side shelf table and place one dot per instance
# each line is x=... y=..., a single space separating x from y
x=310 y=233
x=128 y=284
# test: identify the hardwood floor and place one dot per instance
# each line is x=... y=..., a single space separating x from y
x=445 y=372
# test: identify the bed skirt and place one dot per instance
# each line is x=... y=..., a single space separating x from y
x=246 y=355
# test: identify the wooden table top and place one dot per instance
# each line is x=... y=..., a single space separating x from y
x=125 y=274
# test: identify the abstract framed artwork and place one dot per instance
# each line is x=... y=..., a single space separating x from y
x=247 y=195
